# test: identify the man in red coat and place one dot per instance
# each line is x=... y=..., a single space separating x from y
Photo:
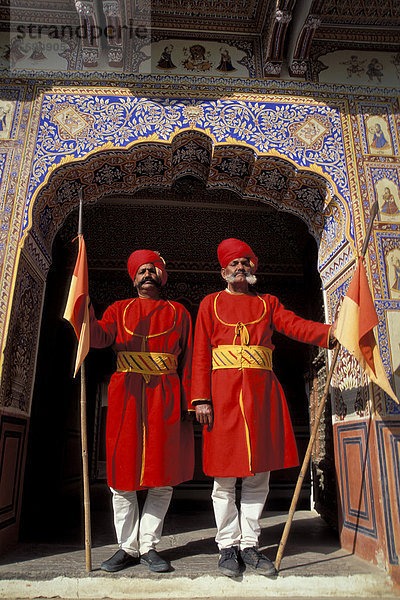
x=239 y=400
x=149 y=439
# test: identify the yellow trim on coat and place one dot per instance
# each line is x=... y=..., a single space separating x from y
x=246 y=429
x=143 y=434
x=240 y=328
x=150 y=335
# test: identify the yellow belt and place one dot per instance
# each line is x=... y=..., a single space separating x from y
x=241 y=357
x=146 y=363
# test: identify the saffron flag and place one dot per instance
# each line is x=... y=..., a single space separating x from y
x=77 y=308
x=354 y=329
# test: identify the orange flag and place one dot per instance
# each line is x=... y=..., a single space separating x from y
x=77 y=308
x=354 y=329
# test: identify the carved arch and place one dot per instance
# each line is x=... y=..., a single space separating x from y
x=269 y=179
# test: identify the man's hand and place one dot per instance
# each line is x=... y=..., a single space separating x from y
x=204 y=415
x=332 y=338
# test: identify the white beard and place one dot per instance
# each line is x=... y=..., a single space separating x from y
x=251 y=279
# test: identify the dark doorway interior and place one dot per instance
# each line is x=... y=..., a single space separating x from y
x=185 y=226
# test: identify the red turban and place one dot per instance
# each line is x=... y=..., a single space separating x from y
x=142 y=257
x=232 y=248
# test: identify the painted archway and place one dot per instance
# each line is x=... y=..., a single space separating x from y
x=74 y=124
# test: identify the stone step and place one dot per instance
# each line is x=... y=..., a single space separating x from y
x=313 y=566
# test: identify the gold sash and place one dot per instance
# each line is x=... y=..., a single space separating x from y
x=146 y=363
x=241 y=357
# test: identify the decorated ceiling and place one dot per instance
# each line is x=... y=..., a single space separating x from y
x=251 y=38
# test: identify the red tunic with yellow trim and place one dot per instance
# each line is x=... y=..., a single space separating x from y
x=148 y=445
x=252 y=431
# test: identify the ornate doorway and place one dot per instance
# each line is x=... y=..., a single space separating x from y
x=185 y=224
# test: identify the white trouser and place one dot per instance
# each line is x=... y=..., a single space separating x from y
x=138 y=536
x=234 y=528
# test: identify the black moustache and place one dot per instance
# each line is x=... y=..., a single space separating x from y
x=149 y=280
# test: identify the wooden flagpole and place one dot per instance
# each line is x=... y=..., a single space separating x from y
x=84 y=443
x=303 y=470
x=85 y=472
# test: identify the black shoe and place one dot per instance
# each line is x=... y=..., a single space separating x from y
x=228 y=562
x=256 y=559
x=118 y=561
x=154 y=561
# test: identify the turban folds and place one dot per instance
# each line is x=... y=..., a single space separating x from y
x=142 y=257
x=230 y=249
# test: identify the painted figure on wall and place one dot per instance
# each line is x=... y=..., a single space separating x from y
x=378 y=137
x=165 y=61
x=354 y=66
x=396 y=62
x=198 y=59
x=14 y=51
x=225 y=64
x=395 y=260
x=70 y=121
x=37 y=53
x=375 y=69
x=309 y=132
x=66 y=52
x=389 y=206
x=4 y=110
x=5 y=119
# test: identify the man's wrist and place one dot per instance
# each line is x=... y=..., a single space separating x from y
x=200 y=402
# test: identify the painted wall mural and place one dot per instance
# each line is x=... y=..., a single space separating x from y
x=6 y=118
x=388 y=246
x=6 y=113
x=393 y=263
x=61 y=50
x=379 y=141
x=378 y=130
x=43 y=53
x=388 y=197
x=385 y=185
x=360 y=67
x=348 y=375
x=187 y=57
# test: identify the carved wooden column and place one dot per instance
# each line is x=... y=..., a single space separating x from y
x=89 y=32
x=274 y=57
x=112 y=12
x=299 y=63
